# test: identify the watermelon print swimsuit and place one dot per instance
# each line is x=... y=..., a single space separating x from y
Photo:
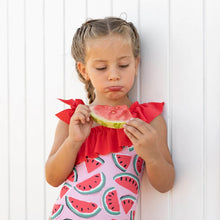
x=105 y=181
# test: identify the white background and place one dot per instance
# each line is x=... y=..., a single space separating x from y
x=179 y=65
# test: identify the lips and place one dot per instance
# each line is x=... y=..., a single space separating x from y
x=115 y=88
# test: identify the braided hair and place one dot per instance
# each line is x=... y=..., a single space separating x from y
x=95 y=28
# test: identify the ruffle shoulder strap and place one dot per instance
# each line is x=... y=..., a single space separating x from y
x=66 y=114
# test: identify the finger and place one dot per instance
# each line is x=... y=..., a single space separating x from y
x=84 y=111
x=140 y=125
x=134 y=131
x=80 y=116
x=130 y=136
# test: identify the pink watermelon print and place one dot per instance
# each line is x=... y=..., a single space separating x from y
x=91 y=185
x=110 y=201
x=127 y=202
x=122 y=161
x=129 y=181
x=66 y=187
x=73 y=176
x=138 y=164
x=93 y=163
x=57 y=210
x=82 y=208
x=92 y=195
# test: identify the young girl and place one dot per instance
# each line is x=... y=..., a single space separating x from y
x=101 y=168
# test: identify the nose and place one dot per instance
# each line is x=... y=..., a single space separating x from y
x=113 y=75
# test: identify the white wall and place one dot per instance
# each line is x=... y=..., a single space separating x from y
x=179 y=65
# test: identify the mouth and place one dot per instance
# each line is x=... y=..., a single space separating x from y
x=115 y=88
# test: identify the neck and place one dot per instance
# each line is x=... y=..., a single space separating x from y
x=112 y=102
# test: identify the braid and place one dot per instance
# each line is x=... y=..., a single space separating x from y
x=90 y=91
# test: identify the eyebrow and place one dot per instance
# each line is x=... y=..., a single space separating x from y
x=120 y=58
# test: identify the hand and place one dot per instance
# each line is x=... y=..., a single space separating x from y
x=144 y=138
x=80 y=124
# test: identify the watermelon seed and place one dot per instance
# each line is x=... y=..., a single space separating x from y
x=97 y=163
x=93 y=205
x=81 y=209
x=113 y=194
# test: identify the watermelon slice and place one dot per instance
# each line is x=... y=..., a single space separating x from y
x=73 y=176
x=110 y=201
x=93 y=163
x=110 y=116
x=66 y=187
x=121 y=161
x=138 y=164
x=127 y=202
x=57 y=210
x=82 y=208
x=128 y=180
x=91 y=185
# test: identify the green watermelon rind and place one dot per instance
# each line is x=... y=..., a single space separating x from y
x=104 y=203
x=75 y=175
x=114 y=157
x=129 y=175
x=106 y=123
x=57 y=212
x=96 y=189
x=80 y=214
x=135 y=164
x=128 y=197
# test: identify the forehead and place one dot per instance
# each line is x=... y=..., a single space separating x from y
x=108 y=46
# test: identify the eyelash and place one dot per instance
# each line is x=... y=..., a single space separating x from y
x=121 y=66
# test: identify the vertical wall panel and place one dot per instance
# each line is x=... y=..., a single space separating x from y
x=154 y=31
x=74 y=17
x=54 y=80
x=188 y=111
x=212 y=108
x=35 y=109
x=4 y=134
x=17 y=118
x=99 y=9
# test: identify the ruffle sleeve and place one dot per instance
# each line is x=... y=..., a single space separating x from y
x=103 y=140
x=66 y=114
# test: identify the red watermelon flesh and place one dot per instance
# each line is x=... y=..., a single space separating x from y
x=128 y=181
x=138 y=164
x=91 y=185
x=57 y=210
x=127 y=202
x=82 y=208
x=93 y=163
x=64 y=189
x=121 y=161
x=110 y=116
x=110 y=201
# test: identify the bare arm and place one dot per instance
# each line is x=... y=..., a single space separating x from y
x=150 y=142
x=67 y=142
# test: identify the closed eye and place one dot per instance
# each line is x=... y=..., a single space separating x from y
x=102 y=68
x=123 y=66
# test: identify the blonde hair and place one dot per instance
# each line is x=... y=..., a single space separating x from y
x=95 y=28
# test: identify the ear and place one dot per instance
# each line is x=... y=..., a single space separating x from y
x=137 y=62
x=82 y=69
